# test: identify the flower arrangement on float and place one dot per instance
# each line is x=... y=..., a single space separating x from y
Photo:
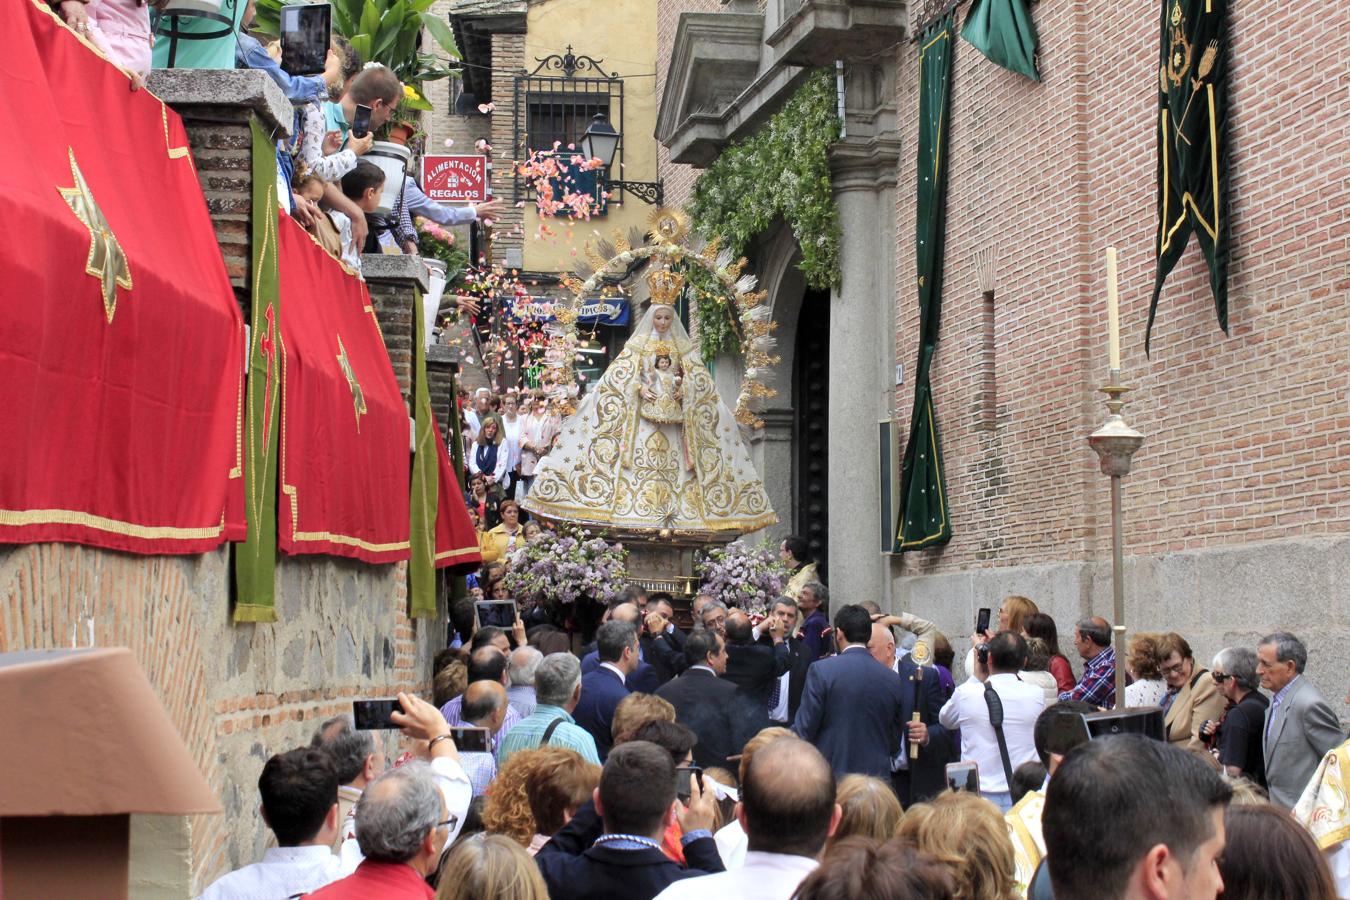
x=741 y=574
x=568 y=565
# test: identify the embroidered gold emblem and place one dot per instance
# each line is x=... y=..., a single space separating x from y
x=921 y=655
x=358 y=396
x=1178 y=49
x=106 y=261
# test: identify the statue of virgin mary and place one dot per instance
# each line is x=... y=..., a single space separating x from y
x=652 y=447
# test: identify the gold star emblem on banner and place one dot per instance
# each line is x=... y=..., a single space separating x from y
x=106 y=261
x=358 y=396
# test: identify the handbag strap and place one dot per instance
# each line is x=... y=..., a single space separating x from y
x=548 y=732
x=995 y=704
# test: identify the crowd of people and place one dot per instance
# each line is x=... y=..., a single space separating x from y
x=323 y=181
x=798 y=755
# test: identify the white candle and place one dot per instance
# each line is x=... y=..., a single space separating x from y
x=1112 y=310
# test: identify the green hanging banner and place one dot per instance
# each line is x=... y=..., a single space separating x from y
x=924 y=517
x=425 y=481
x=1003 y=31
x=1193 y=145
x=255 y=560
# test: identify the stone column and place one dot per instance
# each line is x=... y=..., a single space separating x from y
x=391 y=280
x=862 y=311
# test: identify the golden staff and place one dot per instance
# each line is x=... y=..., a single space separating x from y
x=916 y=716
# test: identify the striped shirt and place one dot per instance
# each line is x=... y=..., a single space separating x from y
x=530 y=733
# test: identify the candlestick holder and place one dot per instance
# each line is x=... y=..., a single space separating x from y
x=1115 y=443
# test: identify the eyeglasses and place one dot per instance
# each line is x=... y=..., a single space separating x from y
x=1220 y=678
x=1174 y=669
x=448 y=823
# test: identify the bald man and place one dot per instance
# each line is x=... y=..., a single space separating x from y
x=915 y=779
x=753 y=667
x=485 y=706
x=1092 y=640
x=644 y=679
x=788 y=810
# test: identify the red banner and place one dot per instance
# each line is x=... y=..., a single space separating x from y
x=455 y=179
x=456 y=541
x=345 y=439
x=121 y=343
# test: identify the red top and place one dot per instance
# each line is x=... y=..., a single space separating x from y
x=376 y=881
x=1063 y=672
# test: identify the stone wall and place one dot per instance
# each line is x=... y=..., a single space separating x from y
x=238 y=693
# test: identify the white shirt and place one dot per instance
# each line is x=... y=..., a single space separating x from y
x=616 y=670
x=512 y=431
x=282 y=872
x=966 y=710
x=765 y=876
x=1146 y=692
x=351 y=254
x=732 y=842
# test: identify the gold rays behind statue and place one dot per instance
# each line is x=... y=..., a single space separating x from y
x=608 y=263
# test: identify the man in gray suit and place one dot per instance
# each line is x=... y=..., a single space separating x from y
x=1300 y=726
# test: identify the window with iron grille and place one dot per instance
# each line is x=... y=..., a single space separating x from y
x=557 y=108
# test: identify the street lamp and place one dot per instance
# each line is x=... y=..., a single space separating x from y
x=601 y=142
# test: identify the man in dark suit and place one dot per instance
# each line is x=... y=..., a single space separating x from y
x=642 y=680
x=662 y=642
x=853 y=707
x=753 y=668
x=603 y=688
x=708 y=704
x=786 y=695
x=915 y=779
x=636 y=803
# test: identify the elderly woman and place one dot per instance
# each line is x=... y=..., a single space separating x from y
x=1144 y=663
x=1239 y=734
x=1192 y=696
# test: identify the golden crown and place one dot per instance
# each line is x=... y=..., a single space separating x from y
x=665 y=286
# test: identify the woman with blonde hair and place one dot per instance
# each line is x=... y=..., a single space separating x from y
x=870 y=809
x=1013 y=612
x=490 y=865
x=967 y=834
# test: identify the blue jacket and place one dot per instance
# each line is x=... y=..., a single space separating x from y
x=644 y=680
x=601 y=691
x=855 y=710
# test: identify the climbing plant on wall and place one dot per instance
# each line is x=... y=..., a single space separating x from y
x=783 y=171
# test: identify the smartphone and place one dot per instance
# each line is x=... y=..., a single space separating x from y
x=982 y=620
x=374 y=715
x=361 y=124
x=964 y=776
x=682 y=781
x=470 y=738
x=501 y=613
x=305 y=36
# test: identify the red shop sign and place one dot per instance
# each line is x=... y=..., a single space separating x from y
x=455 y=179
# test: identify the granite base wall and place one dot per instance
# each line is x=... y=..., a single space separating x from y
x=1215 y=597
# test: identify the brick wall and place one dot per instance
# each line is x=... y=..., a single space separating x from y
x=1248 y=435
x=508 y=58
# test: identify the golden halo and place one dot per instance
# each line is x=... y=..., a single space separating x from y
x=669 y=224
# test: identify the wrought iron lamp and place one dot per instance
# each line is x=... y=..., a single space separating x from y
x=601 y=142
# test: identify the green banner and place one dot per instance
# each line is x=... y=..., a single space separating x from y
x=255 y=560
x=925 y=519
x=425 y=481
x=1003 y=31
x=1193 y=145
